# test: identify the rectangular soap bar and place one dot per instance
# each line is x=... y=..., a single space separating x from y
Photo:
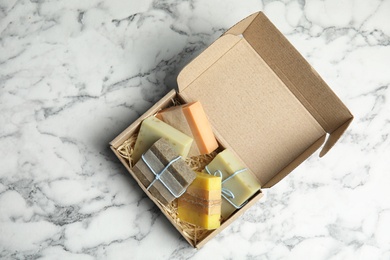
x=201 y=203
x=243 y=185
x=152 y=129
x=177 y=177
x=192 y=120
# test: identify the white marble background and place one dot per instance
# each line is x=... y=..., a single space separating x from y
x=74 y=74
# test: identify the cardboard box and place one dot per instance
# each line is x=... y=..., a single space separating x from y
x=263 y=100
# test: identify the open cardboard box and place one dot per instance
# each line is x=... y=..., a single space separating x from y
x=263 y=100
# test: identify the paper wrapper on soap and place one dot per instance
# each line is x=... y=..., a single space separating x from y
x=238 y=183
x=192 y=121
x=171 y=182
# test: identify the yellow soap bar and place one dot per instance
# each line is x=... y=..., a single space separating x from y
x=242 y=185
x=192 y=120
x=152 y=129
x=201 y=203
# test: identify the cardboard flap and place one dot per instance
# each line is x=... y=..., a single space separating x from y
x=263 y=100
x=294 y=71
x=242 y=25
x=201 y=63
x=250 y=109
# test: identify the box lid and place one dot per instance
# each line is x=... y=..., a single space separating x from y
x=263 y=99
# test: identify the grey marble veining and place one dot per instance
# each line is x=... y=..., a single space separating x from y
x=74 y=74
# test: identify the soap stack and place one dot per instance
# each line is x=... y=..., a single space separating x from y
x=163 y=144
x=165 y=183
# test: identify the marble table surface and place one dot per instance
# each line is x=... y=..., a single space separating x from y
x=74 y=74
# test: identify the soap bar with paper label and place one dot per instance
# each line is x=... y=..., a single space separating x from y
x=201 y=203
x=153 y=129
x=191 y=120
x=242 y=185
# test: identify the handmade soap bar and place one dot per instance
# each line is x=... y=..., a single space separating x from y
x=192 y=120
x=163 y=172
x=153 y=129
x=201 y=203
x=238 y=183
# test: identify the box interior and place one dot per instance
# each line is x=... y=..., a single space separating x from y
x=166 y=101
x=263 y=99
x=253 y=112
x=298 y=75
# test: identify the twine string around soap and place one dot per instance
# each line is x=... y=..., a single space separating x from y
x=158 y=175
x=226 y=193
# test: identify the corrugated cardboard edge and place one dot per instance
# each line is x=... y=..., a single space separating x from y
x=335 y=136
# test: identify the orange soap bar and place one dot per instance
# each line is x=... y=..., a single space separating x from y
x=192 y=120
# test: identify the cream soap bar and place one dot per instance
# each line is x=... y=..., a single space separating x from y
x=201 y=203
x=152 y=129
x=192 y=120
x=238 y=183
